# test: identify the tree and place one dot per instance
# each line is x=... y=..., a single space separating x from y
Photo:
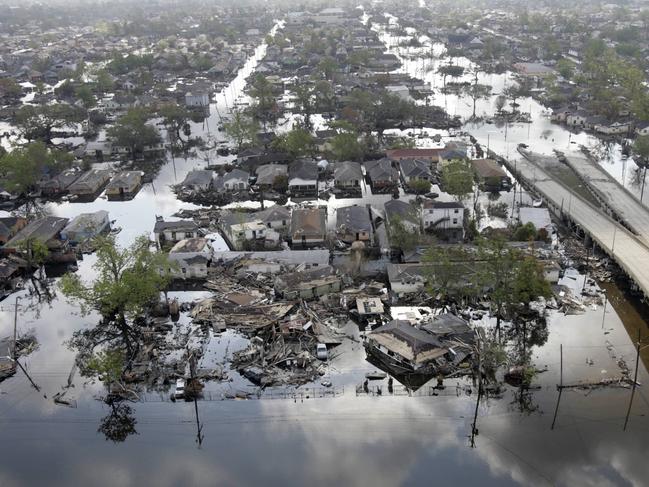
x=458 y=178
x=9 y=89
x=345 y=145
x=450 y=70
x=641 y=147
x=132 y=131
x=298 y=142
x=175 y=119
x=37 y=122
x=84 y=94
x=21 y=168
x=529 y=282
x=104 y=81
x=500 y=103
x=525 y=233
x=128 y=281
x=303 y=100
x=264 y=104
x=402 y=236
x=242 y=129
x=35 y=251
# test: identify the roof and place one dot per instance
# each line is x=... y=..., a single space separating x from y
x=161 y=225
x=353 y=218
x=441 y=204
x=448 y=324
x=397 y=154
x=236 y=174
x=42 y=229
x=8 y=268
x=308 y=222
x=125 y=179
x=267 y=173
x=400 y=208
x=274 y=213
x=188 y=245
x=400 y=337
x=540 y=217
x=369 y=306
x=305 y=170
x=381 y=170
x=199 y=176
x=415 y=168
x=87 y=221
x=92 y=177
x=348 y=170
x=488 y=168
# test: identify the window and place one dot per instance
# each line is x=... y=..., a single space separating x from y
x=456 y=211
x=184 y=270
x=454 y=221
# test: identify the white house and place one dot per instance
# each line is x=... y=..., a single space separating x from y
x=242 y=228
x=192 y=256
x=443 y=218
x=236 y=180
x=197 y=100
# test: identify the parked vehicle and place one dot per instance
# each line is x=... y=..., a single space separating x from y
x=179 y=393
x=321 y=351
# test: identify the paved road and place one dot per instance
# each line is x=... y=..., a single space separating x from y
x=630 y=252
x=612 y=194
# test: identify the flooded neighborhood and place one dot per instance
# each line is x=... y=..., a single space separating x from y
x=354 y=243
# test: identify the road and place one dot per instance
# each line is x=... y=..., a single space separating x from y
x=628 y=250
x=612 y=194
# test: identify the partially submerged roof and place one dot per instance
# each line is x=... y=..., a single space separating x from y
x=308 y=222
x=409 y=342
x=180 y=225
x=43 y=229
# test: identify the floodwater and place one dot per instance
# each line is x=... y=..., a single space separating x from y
x=346 y=440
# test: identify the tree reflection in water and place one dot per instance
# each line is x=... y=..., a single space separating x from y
x=120 y=422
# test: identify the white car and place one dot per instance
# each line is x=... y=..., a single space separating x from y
x=180 y=389
x=321 y=351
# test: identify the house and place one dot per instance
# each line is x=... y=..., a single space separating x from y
x=10 y=270
x=308 y=227
x=198 y=180
x=445 y=219
x=97 y=150
x=170 y=233
x=539 y=217
x=414 y=170
x=271 y=176
x=405 y=213
x=46 y=230
x=430 y=155
x=405 y=349
x=353 y=224
x=449 y=155
x=86 y=226
x=244 y=230
x=60 y=183
x=90 y=183
x=125 y=183
x=382 y=176
x=192 y=257
x=348 y=176
x=577 y=119
x=10 y=226
x=197 y=99
x=407 y=278
x=490 y=175
x=642 y=128
x=236 y=180
x=303 y=178
x=308 y=283
x=275 y=217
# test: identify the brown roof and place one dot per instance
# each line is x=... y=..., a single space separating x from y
x=432 y=154
x=488 y=168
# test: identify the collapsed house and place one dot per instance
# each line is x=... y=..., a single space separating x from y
x=437 y=347
x=308 y=284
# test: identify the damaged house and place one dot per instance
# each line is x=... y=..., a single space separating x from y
x=169 y=233
x=303 y=178
x=353 y=223
x=308 y=284
x=348 y=177
x=382 y=175
x=308 y=227
x=245 y=230
x=192 y=256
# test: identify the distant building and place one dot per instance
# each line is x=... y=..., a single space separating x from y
x=445 y=219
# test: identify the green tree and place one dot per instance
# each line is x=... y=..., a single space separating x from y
x=298 y=142
x=128 y=282
x=264 y=104
x=403 y=236
x=304 y=102
x=37 y=121
x=132 y=131
x=21 y=168
x=641 y=147
x=9 y=88
x=85 y=95
x=242 y=129
x=458 y=178
x=175 y=119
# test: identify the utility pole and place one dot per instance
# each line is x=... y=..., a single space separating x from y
x=635 y=380
x=14 y=352
x=474 y=428
x=199 y=427
x=560 y=387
